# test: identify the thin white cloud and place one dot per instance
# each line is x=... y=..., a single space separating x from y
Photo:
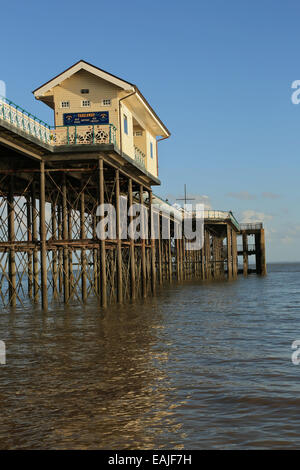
x=287 y=240
x=249 y=216
x=246 y=196
x=267 y=195
x=242 y=195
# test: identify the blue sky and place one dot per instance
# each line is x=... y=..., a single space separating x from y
x=218 y=73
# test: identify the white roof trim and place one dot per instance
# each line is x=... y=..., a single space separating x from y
x=152 y=114
x=76 y=68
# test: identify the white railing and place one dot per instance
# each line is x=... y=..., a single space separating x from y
x=18 y=117
x=210 y=214
x=221 y=215
x=139 y=156
x=76 y=135
x=59 y=135
x=251 y=226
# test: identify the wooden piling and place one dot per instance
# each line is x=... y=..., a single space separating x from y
x=65 y=238
x=177 y=245
x=83 y=251
x=263 y=252
x=257 y=253
x=131 y=246
x=207 y=255
x=103 y=280
x=143 y=248
x=234 y=255
x=11 y=238
x=229 y=253
x=203 y=258
x=119 y=241
x=60 y=250
x=29 y=254
x=245 y=254
x=54 y=251
x=152 y=241
x=160 y=274
x=35 y=249
x=170 y=270
x=96 y=282
x=70 y=251
x=43 y=237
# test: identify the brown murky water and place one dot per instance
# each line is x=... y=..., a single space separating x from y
x=198 y=366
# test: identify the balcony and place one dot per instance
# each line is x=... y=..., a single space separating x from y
x=51 y=135
x=139 y=157
x=79 y=135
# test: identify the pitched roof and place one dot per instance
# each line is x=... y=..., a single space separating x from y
x=83 y=65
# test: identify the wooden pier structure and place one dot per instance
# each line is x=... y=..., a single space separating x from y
x=48 y=244
x=255 y=248
x=52 y=180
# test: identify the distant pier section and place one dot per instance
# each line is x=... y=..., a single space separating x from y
x=253 y=244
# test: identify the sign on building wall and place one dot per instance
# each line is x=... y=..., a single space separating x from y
x=84 y=119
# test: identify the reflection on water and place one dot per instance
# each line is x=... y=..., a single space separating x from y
x=202 y=365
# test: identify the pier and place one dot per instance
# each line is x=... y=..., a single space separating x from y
x=53 y=179
x=256 y=247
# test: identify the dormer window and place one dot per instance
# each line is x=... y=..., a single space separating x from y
x=85 y=91
x=65 y=104
x=85 y=103
x=106 y=102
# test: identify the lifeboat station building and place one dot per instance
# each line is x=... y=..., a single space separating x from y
x=93 y=107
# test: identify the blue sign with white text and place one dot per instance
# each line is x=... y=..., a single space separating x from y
x=85 y=119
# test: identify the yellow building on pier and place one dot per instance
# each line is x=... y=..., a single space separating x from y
x=93 y=106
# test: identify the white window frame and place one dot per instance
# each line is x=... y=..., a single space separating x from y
x=65 y=104
x=85 y=105
x=106 y=102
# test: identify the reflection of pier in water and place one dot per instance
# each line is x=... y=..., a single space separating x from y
x=113 y=367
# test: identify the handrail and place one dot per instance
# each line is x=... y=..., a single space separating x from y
x=55 y=135
x=23 y=111
x=22 y=119
x=87 y=134
x=139 y=156
x=251 y=226
x=214 y=214
x=234 y=221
